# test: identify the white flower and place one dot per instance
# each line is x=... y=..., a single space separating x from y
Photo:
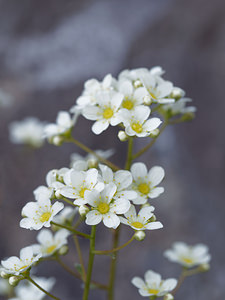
x=27 y=291
x=39 y=214
x=106 y=113
x=158 y=89
x=104 y=208
x=66 y=215
x=29 y=131
x=80 y=163
x=122 y=179
x=140 y=221
x=78 y=182
x=179 y=107
x=14 y=265
x=64 y=123
x=91 y=88
x=135 y=121
x=132 y=97
x=188 y=256
x=49 y=243
x=144 y=182
x=153 y=285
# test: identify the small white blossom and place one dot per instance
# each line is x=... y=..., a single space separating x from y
x=27 y=291
x=66 y=215
x=153 y=285
x=49 y=243
x=91 y=88
x=140 y=221
x=132 y=97
x=29 y=132
x=78 y=182
x=64 y=123
x=104 y=208
x=39 y=214
x=14 y=265
x=145 y=183
x=122 y=179
x=188 y=256
x=106 y=113
x=179 y=107
x=136 y=122
x=80 y=163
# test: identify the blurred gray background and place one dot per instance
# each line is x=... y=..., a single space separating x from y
x=47 y=50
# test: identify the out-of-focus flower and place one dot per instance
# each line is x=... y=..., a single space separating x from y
x=27 y=291
x=5 y=287
x=153 y=285
x=49 y=243
x=29 y=132
x=188 y=256
x=179 y=107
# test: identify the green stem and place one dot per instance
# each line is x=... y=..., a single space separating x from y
x=113 y=265
x=87 y=236
x=77 y=244
x=90 y=263
x=143 y=150
x=129 y=153
x=106 y=252
x=88 y=150
x=40 y=288
x=68 y=201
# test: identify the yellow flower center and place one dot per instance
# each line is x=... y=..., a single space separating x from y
x=137 y=127
x=108 y=113
x=152 y=95
x=128 y=104
x=22 y=268
x=45 y=217
x=153 y=291
x=144 y=188
x=82 y=192
x=137 y=224
x=50 y=249
x=103 y=207
x=187 y=260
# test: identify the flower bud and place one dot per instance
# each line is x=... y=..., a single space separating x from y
x=147 y=100
x=177 y=93
x=168 y=297
x=153 y=218
x=5 y=275
x=57 y=140
x=14 y=280
x=83 y=210
x=204 y=267
x=58 y=194
x=122 y=136
x=137 y=84
x=63 y=250
x=93 y=163
x=154 y=133
x=139 y=235
x=188 y=116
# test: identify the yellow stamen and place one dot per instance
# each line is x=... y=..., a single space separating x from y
x=103 y=207
x=128 y=104
x=137 y=127
x=82 y=192
x=153 y=291
x=187 y=260
x=108 y=113
x=45 y=217
x=144 y=188
x=50 y=249
x=137 y=225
